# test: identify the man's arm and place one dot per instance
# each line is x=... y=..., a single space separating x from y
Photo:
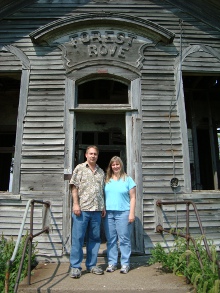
x=76 y=207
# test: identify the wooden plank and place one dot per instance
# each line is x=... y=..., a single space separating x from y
x=43 y=125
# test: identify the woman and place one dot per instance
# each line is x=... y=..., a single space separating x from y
x=120 y=197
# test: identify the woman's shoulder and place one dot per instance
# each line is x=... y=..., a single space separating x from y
x=130 y=180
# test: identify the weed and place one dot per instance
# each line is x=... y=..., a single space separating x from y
x=183 y=261
x=6 y=250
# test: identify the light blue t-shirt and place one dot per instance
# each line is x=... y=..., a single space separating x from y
x=117 y=197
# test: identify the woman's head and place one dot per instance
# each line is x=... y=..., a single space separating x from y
x=115 y=167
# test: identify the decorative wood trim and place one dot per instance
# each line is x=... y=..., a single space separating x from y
x=67 y=217
x=182 y=115
x=181 y=104
x=21 y=112
x=137 y=25
x=195 y=48
x=69 y=126
x=21 y=56
x=19 y=132
x=109 y=71
x=90 y=63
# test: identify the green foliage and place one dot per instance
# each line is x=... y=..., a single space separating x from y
x=6 y=251
x=205 y=279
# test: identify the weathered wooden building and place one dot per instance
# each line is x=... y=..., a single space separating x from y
x=138 y=78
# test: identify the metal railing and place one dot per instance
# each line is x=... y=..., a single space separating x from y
x=29 y=240
x=187 y=236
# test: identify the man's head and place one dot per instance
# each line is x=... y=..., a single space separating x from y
x=92 y=153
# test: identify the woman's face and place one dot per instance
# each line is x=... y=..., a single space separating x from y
x=116 y=167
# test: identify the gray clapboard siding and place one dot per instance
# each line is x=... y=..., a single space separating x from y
x=43 y=148
x=58 y=131
x=44 y=181
x=43 y=139
x=158 y=168
x=45 y=119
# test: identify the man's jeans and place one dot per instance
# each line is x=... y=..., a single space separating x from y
x=117 y=228
x=86 y=226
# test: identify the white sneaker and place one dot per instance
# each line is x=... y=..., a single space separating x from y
x=111 y=268
x=75 y=273
x=124 y=269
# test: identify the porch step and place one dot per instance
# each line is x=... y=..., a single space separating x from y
x=54 y=277
x=135 y=256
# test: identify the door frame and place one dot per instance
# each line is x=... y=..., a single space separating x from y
x=133 y=125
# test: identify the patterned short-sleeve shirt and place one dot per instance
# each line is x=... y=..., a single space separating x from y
x=90 y=187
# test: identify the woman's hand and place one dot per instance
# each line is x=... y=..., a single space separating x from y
x=131 y=218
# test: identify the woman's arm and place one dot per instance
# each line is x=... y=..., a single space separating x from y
x=132 y=193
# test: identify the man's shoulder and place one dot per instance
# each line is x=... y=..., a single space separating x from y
x=100 y=170
x=81 y=165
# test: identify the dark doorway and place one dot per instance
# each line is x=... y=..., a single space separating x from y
x=9 y=91
x=111 y=141
x=205 y=159
x=104 y=129
x=202 y=102
x=7 y=142
x=105 y=157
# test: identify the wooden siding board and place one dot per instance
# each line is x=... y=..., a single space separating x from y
x=43 y=147
x=58 y=131
x=43 y=114
x=43 y=119
x=39 y=124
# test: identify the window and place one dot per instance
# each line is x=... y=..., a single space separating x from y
x=103 y=91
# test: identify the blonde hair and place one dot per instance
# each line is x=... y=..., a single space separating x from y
x=109 y=171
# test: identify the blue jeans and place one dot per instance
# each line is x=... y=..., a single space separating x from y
x=86 y=226
x=117 y=228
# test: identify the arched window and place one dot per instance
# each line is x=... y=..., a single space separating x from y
x=102 y=91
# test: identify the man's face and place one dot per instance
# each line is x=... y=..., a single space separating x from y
x=91 y=155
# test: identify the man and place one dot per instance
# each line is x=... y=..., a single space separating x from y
x=87 y=184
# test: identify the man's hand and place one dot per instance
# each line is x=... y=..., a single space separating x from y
x=76 y=210
x=103 y=213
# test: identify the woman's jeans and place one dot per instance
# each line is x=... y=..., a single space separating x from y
x=86 y=226
x=117 y=228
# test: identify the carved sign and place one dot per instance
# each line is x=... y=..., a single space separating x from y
x=103 y=45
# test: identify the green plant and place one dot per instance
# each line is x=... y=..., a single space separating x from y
x=6 y=250
x=183 y=261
